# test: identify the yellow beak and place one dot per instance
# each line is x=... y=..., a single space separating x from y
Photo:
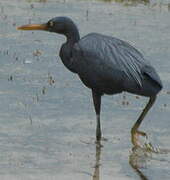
x=33 y=27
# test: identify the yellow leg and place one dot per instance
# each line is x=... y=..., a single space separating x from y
x=135 y=133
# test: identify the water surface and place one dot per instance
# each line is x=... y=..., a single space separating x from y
x=47 y=121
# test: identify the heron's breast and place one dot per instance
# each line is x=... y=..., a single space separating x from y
x=102 y=86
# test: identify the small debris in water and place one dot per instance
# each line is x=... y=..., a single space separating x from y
x=14 y=24
x=37 y=53
x=44 y=90
x=30 y=118
x=168 y=92
x=4 y=17
x=27 y=62
x=10 y=78
x=37 y=97
x=51 y=81
x=37 y=40
x=6 y=52
x=165 y=105
x=168 y=6
x=123 y=102
x=87 y=15
x=137 y=97
x=32 y=6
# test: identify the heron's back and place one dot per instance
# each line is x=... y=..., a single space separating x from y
x=107 y=63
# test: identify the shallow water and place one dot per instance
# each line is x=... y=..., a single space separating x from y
x=47 y=121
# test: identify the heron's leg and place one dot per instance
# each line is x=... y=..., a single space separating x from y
x=97 y=104
x=134 y=131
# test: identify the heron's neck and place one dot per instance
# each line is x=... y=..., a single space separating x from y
x=72 y=36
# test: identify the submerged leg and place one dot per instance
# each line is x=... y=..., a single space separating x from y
x=134 y=131
x=97 y=104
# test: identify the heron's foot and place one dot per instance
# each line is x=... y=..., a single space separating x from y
x=153 y=149
x=147 y=146
x=135 y=134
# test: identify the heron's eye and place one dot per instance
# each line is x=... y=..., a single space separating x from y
x=51 y=23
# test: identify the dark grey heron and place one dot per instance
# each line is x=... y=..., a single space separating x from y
x=106 y=65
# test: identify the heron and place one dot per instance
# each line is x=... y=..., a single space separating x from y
x=106 y=65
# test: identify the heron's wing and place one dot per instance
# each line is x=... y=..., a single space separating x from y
x=136 y=65
x=151 y=73
x=112 y=54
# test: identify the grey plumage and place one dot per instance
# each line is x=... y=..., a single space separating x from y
x=110 y=65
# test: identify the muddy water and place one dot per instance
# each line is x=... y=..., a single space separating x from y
x=47 y=121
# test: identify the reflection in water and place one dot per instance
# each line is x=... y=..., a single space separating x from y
x=138 y=159
x=96 y=174
x=141 y=175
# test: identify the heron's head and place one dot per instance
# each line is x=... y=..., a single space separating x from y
x=61 y=25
